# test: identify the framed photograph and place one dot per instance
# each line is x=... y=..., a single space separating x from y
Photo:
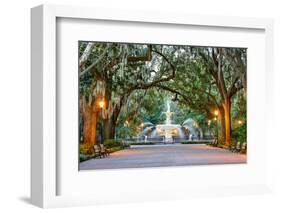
x=130 y=106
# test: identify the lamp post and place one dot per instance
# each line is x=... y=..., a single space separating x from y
x=142 y=126
x=101 y=105
x=216 y=113
x=209 y=127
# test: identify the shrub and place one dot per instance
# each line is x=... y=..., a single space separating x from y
x=114 y=149
x=83 y=157
x=240 y=133
x=110 y=143
x=86 y=149
x=195 y=142
x=142 y=143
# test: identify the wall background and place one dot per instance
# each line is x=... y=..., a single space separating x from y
x=15 y=104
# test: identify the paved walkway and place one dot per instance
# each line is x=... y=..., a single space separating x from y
x=164 y=155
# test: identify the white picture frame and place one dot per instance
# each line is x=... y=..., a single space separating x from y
x=44 y=153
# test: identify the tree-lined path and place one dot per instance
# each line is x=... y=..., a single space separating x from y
x=147 y=94
x=124 y=85
x=142 y=156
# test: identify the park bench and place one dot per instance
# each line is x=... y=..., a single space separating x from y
x=237 y=147
x=97 y=151
x=103 y=150
x=232 y=148
x=243 y=148
x=214 y=142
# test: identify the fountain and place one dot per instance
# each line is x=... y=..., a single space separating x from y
x=167 y=131
x=195 y=132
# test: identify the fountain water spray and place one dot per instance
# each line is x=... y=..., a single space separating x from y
x=166 y=131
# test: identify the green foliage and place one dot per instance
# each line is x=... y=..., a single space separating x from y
x=153 y=106
x=195 y=142
x=240 y=133
x=123 y=131
x=142 y=143
x=111 y=143
x=86 y=152
x=239 y=107
x=86 y=149
x=192 y=89
x=83 y=157
x=115 y=149
x=239 y=113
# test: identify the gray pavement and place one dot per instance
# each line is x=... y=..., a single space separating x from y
x=142 y=156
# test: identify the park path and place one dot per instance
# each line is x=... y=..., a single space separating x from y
x=142 y=156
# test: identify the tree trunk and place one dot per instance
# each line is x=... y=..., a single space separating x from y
x=108 y=129
x=227 y=118
x=90 y=124
x=109 y=125
x=222 y=122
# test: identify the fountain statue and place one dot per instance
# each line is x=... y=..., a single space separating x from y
x=167 y=131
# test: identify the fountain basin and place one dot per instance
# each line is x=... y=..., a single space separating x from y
x=170 y=129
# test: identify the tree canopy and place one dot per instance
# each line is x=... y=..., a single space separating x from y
x=134 y=80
